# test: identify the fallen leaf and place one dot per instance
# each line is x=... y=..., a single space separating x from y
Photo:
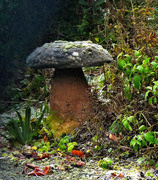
x=113 y=137
x=78 y=153
x=120 y=175
x=69 y=158
x=37 y=171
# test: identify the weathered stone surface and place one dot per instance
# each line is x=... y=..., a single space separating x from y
x=70 y=100
x=63 y=54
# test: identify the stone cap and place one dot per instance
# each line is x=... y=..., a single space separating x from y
x=64 y=54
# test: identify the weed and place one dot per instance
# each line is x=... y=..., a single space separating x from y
x=24 y=128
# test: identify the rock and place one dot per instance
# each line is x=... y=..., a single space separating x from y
x=63 y=54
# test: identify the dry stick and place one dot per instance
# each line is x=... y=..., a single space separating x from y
x=146 y=120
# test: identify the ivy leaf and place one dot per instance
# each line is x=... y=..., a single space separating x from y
x=121 y=64
x=131 y=119
x=142 y=128
x=137 y=53
x=128 y=58
x=146 y=61
x=154 y=64
x=127 y=125
x=136 y=81
x=140 y=68
x=149 y=137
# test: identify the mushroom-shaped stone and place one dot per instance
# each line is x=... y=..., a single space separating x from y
x=70 y=96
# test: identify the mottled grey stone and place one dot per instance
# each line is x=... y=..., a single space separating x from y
x=64 y=54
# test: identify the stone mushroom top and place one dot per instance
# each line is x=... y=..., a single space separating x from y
x=64 y=54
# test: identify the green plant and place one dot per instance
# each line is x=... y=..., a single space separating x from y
x=144 y=139
x=146 y=161
x=93 y=17
x=105 y=163
x=139 y=71
x=20 y=130
x=35 y=85
x=66 y=144
x=154 y=90
x=24 y=128
x=116 y=126
x=71 y=145
x=43 y=146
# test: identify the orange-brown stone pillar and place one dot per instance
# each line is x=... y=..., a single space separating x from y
x=70 y=98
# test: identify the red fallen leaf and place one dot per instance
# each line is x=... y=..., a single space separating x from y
x=120 y=175
x=37 y=171
x=36 y=157
x=80 y=163
x=45 y=155
x=31 y=166
x=78 y=153
x=46 y=169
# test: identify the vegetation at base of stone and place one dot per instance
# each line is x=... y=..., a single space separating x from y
x=25 y=128
x=62 y=145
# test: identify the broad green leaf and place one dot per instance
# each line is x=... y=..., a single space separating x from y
x=133 y=142
x=140 y=68
x=137 y=53
x=156 y=57
x=150 y=100
x=142 y=128
x=128 y=71
x=144 y=142
x=146 y=61
x=121 y=64
x=149 y=137
x=127 y=125
x=136 y=81
x=154 y=64
x=156 y=83
x=146 y=70
x=131 y=119
x=139 y=143
x=128 y=58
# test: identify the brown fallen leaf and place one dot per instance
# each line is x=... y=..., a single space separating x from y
x=113 y=137
x=120 y=175
x=37 y=170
